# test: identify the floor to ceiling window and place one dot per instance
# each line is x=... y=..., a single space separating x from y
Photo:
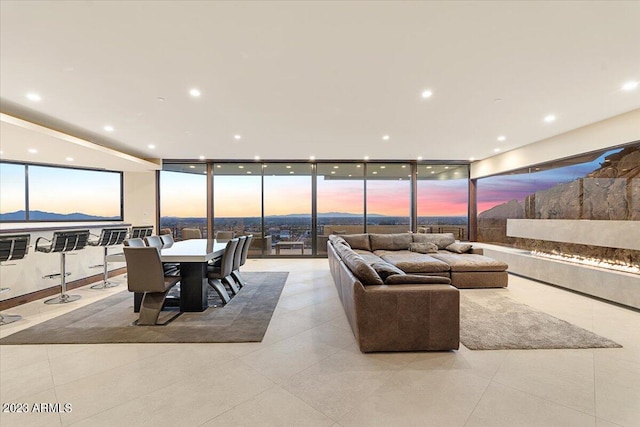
x=443 y=199
x=13 y=196
x=287 y=207
x=237 y=202
x=340 y=200
x=183 y=197
x=388 y=197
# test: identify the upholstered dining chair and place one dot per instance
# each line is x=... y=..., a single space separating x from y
x=167 y=240
x=243 y=259
x=191 y=233
x=224 y=234
x=170 y=268
x=134 y=243
x=237 y=257
x=218 y=274
x=154 y=241
x=145 y=275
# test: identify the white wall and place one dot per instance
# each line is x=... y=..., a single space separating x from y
x=614 y=131
x=140 y=198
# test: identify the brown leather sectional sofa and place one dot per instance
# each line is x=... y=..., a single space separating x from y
x=398 y=300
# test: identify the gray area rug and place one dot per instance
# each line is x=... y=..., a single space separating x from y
x=244 y=319
x=489 y=321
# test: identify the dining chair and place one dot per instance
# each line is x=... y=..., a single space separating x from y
x=145 y=275
x=243 y=259
x=224 y=234
x=218 y=274
x=237 y=257
x=134 y=243
x=191 y=233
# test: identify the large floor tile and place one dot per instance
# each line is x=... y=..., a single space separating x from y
x=274 y=407
x=503 y=406
x=31 y=418
x=617 y=390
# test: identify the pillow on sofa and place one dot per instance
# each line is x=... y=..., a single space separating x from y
x=423 y=248
x=363 y=271
x=442 y=240
x=408 y=279
x=358 y=241
x=390 y=242
x=385 y=270
x=459 y=248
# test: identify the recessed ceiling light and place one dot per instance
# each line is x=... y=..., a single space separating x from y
x=404 y=166
x=249 y=172
x=201 y=157
x=433 y=171
x=349 y=174
x=312 y=157
x=240 y=167
x=256 y=157
x=426 y=93
x=109 y=128
x=630 y=85
x=336 y=167
x=69 y=159
x=33 y=150
x=237 y=137
x=292 y=172
x=429 y=167
x=204 y=171
x=151 y=146
x=34 y=97
x=549 y=118
x=497 y=150
x=383 y=167
x=375 y=172
x=192 y=167
x=333 y=172
x=358 y=166
x=456 y=173
x=218 y=166
x=385 y=137
x=471 y=159
x=195 y=92
x=502 y=138
x=419 y=157
x=446 y=167
x=288 y=166
x=366 y=157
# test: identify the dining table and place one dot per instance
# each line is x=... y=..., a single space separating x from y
x=193 y=255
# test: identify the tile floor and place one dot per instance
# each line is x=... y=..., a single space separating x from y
x=308 y=371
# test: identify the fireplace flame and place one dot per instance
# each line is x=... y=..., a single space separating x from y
x=593 y=262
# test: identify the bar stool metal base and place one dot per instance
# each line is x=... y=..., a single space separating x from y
x=63 y=299
x=9 y=318
x=105 y=285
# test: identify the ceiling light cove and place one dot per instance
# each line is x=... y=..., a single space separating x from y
x=34 y=97
x=502 y=138
x=109 y=128
x=427 y=93
x=628 y=86
x=549 y=118
x=195 y=92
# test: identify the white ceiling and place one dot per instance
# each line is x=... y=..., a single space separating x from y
x=327 y=79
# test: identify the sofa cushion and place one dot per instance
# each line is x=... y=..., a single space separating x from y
x=424 y=248
x=369 y=257
x=363 y=271
x=459 y=248
x=390 y=242
x=413 y=262
x=442 y=240
x=415 y=279
x=470 y=262
x=384 y=269
x=357 y=241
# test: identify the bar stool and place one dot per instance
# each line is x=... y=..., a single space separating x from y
x=63 y=242
x=12 y=247
x=108 y=237
x=140 y=232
